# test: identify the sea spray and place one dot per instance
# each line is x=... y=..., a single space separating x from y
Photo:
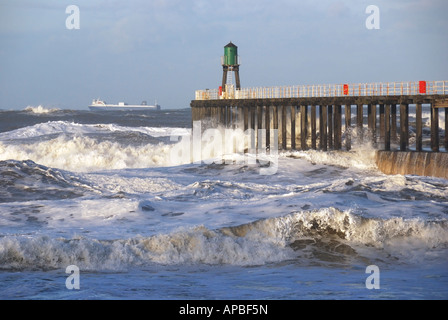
x=41 y=109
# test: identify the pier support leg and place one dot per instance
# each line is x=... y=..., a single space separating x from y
x=348 y=129
x=275 y=123
x=240 y=118
x=434 y=129
x=360 y=121
x=330 y=126
x=446 y=130
x=225 y=70
x=382 y=125
x=215 y=116
x=404 y=123
x=419 y=127
x=259 y=127
x=337 y=127
x=313 y=127
x=373 y=124
x=246 y=118
x=386 y=128
x=321 y=130
x=293 y=127
x=268 y=126
x=393 y=123
x=323 y=135
x=284 y=137
x=252 y=126
x=303 y=127
x=298 y=128
x=223 y=116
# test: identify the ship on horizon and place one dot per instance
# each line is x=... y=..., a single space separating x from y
x=101 y=105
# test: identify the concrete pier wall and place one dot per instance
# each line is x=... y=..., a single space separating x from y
x=433 y=164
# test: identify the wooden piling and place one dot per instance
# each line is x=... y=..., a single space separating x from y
x=404 y=139
x=330 y=126
x=434 y=129
x=370 y=118
x=338 y=127
x=373 y=123
x=246 y=118
x=293 y=127
x=303 y=127
x=275 y=122
x=259 y=126
x=323 y=136
x=284 y=138
x=360 y=120
x=348 y=129
x=446 y=130
x=253 y=144
x=418 y=127
x=386 y=127
x=267 y=120
x=382 y=124
x=240 y=117
x=313 y=127
x=393 y=123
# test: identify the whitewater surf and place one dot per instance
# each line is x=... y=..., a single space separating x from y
x=104 y=194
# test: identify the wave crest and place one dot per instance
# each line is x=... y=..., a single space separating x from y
x=322 y=236
x=40 y=109
x=83 y=154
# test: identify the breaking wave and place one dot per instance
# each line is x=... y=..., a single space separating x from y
x=325 y=236
x=40 y=109
x=81 y=153
x=64 y=127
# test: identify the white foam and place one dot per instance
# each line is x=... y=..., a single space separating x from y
x=259 y=242
x=360 y=159
x=395 y=239
x=427 y=123
x=192 y=245
x=64 y=127
x=40 y=109
x=151 y=131
x=80 y=153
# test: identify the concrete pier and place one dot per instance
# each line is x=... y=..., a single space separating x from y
x=433 y=164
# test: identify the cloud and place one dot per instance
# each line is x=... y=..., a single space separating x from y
x=159 y=44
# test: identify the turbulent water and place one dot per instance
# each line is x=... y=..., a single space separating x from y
x=110 y=194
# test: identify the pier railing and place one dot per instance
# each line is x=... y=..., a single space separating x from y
x=329 y=90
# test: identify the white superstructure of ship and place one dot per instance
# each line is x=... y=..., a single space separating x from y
x=101 y=105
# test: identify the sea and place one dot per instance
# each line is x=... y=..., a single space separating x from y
x=112 y=206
